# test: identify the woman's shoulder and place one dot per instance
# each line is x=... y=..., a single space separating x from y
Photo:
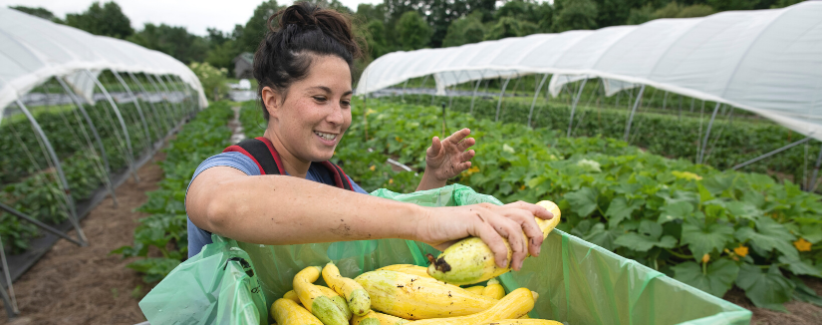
x=234 y=160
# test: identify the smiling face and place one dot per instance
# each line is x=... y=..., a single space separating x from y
x=316 y=112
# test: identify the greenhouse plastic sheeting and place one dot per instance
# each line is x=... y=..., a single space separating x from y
x=33 y=49
x=578 y=282
x=765 y=61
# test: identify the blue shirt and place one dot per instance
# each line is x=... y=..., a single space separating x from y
x=197 y=238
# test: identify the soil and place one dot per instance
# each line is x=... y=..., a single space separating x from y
x=85 y=285
x=799 y=313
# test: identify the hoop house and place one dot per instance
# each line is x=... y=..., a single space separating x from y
x=78 y=115
x=768 y=62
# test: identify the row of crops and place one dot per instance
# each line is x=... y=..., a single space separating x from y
x=670 y=132
x=709 y=228
x=27 y=176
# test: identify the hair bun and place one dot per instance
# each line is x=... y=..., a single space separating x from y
x=299 y=15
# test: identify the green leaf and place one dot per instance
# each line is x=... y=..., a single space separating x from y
x=703 y=241
x=769 y=235
x=583 y=202
x=677 y=210
x=741 y=209
x=766 y=289
x=704 y=194
x=619 y=209
x=601 y=237
x=718 y=280
x=643 y=243
x=718 y=183
x=805 y=293
x=811 y=232
x=800 y=267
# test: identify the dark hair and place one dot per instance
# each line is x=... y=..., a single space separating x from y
x=304 y=30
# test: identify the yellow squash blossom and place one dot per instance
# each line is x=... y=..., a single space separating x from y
x=742 y=251
x=706 y=258
x=802 y=245
x=686 y=175
x=390 y=181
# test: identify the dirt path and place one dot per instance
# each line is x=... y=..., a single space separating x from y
x=84 y=285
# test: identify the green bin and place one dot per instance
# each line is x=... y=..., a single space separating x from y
x=578 y=283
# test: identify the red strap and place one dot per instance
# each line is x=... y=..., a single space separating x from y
x=244 y=152
x=273 y=152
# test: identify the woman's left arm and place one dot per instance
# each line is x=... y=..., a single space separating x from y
x=447 y=158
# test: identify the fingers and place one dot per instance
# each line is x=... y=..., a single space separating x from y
x=465 y=144
x=435 y=147
x=536 y=210
x=466 y=156
x=512 y=231
x=525 y=221
x=456 y=137
x=493 y=239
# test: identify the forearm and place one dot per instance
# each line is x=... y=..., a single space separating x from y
x=279 y=210
x=429 y=182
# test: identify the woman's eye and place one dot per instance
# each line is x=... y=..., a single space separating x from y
x=346 y=103
x=319 y=99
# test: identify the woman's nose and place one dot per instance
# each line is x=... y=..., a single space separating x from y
x=336 y=115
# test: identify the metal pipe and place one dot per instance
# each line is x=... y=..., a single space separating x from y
x=794 y=144
x=574 y=105
x=534 y=101
x=62 y=177
x=169 y=110
x=402 y=95
x=810 y=187
x=665 y=100
x=473 y=96
x=136 y=104
x=168 y=97
x=39 y=224
x=153 y=108
x=708 y=133
x=171 y=84
x=424 y=80
x=10 y=304
x=93 y=128
x=631 y=118
x=130 y=153
x=501 y=94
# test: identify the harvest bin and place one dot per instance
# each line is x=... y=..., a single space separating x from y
x=578 y=282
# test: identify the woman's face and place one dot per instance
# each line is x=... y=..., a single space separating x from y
x=316 y=112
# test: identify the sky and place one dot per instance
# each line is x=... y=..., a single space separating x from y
x=195 y=15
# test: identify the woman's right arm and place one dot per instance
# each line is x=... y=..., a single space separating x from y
x=277 y=210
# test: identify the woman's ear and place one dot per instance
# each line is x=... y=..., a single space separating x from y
x=271 y=100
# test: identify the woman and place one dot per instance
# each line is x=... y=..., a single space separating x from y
x=304 y=73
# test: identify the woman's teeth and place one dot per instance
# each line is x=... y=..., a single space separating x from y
x=327 y=136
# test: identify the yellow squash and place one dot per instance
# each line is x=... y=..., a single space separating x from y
x=291 y=295
x=414 y=297
x=522 y=322
x=408 y=268
x=476 y=289
x=384 y=319
x=337 y=299
x=358 y=300
x=517 y=303
x=288 y=312
x=313 y=298
x=471 y=261
x=494 y=289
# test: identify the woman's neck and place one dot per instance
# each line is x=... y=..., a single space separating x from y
x=293 y=165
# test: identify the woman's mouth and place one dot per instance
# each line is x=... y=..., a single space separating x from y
x=329 y=138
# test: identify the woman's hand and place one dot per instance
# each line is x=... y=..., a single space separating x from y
x=442 y=227
x=446 y=159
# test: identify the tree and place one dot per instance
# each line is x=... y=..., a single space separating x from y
x=695 y=11
x=671 y=10
x=106 y=20
x=38 y=12
x=574 y=14
x=172 y=40
x=510 y=27
x=641 y=15
x=723 y=5
x=465 y=30
x=615 y=12
x=256 y=27
x=375 y=38
x=413 y=31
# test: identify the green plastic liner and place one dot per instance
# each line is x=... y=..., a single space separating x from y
x=578 y=282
